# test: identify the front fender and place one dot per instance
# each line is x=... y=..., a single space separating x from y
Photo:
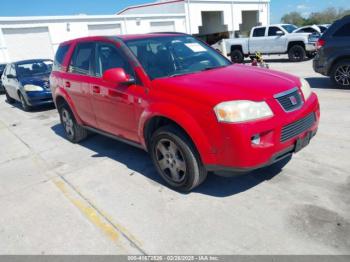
x=184 y=120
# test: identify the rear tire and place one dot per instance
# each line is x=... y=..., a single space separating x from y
x=237 y=56
x=176 y=159
x=296 y=53
x=9 y=99
x=24 y=103
x=340 y=74
x=73 y=131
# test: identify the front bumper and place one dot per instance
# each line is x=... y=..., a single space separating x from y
x=39 y=98
x=239 y=154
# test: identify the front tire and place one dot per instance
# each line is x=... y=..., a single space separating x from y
x=9 y=99
x=24 y=103
x=340 y=74
x=176 y=159
x=73 y=131
x=296 y=53
x=237 y=56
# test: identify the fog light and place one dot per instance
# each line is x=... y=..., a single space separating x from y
x=256 y=140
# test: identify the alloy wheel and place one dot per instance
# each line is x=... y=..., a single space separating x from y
x=68 y=123
x=171 y=160
x=342 y=75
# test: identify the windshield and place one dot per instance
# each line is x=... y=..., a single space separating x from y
x=34 y=68
x=169 y=56
x=289 y=28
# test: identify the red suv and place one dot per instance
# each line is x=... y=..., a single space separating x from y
x=187 y=105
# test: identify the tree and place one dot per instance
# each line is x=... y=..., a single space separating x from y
x=293 y=18
x=327 y=16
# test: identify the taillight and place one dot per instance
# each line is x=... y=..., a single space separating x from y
x=320 y=43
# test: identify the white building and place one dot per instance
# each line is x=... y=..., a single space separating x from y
x=39 y=37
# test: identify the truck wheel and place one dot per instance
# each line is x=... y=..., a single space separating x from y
x=176 y=159
x=24 y=103
x=237 y=56
x=311 y=55
x=73 y=131
x=9 y=99
x=340 y=74
x=296 y=53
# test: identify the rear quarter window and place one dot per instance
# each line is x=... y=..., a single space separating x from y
x=259 y=32
x=59 y=57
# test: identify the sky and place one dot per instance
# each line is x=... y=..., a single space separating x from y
x=106 y=7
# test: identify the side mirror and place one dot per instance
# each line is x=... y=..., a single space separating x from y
x=117 y=76
x=279 y=33
x=10 y=76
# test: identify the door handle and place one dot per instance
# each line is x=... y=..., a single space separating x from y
x=96 y=89
x=67 y=84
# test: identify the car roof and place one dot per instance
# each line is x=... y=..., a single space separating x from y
x=31 y=61
x=123 y=37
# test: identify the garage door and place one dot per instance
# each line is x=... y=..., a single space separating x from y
x=162 y=26
x=110 y=29
x=28 y=43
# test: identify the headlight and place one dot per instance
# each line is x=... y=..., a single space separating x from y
x=305 y=88
x=33 y=88
x=240 y=111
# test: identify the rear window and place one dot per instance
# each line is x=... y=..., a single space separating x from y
x=343 y=31
x=59 y=57
x=259 y=32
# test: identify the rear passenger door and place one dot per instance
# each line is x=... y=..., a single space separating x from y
x=257 y=40
x=114 y=104
x=77 y=81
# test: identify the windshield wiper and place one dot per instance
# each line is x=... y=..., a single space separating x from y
x=213 y=67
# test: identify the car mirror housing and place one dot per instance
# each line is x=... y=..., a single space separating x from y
x=118 y=76
x=279 y=33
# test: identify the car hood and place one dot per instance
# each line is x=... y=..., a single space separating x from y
x=235 y=82
x=39 y=80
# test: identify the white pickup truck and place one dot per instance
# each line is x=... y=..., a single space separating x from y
x=272 y=39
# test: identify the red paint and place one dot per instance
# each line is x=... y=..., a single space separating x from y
x=188 y=100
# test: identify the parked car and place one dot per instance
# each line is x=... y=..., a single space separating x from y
x=184 y=103
x=27 y=81
x=2 y=67
x=273 y=39
x=313 y=29
x=333 y=56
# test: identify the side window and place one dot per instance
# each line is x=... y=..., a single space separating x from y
x=81 y=59
x=273 y=30
x=107 y=57
x=259 y=32
x=343 y=31
x=12 y=70
x=59 y=57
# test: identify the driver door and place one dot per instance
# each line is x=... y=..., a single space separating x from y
x=276 y=43
x=114 y=104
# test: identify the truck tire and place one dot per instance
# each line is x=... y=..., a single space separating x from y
x=310 y=55
x=340 y=74
x=296 y=53
x=237 y=56
x=176 y=159
x=73 y=131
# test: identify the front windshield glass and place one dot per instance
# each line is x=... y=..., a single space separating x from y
x=289 y=28
x=34 y=68
x=169 y=56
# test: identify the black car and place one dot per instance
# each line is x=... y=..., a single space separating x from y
x=2 y=68
x=28 y=82
x=333 y=56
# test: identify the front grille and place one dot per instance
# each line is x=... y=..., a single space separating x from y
x=298 y=127
x=290 y=100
